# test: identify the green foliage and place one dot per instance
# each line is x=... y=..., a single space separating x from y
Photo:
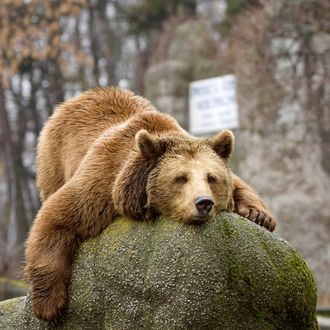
x=151 y=14
x=234 y=8
x=325 y=313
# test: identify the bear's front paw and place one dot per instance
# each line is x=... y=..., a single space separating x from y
x=259 y=216
x=49 y=303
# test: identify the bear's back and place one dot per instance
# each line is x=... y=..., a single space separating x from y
x=73 y=128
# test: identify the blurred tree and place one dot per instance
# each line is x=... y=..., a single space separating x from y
x=282 y=64
x=36 y=59
x=147 y=15
x=233 y=9
x=145 y=19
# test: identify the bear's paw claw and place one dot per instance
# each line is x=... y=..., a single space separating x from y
x=260 y=217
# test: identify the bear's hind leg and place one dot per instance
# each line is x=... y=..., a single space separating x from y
x=63 y=221
x=50 y=276
x=49 y=257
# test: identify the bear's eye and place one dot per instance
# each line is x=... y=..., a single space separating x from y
x=181 y=179
x=211 y=179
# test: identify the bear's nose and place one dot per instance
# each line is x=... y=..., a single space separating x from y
x=204 y=205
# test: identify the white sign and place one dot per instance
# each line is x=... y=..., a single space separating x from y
x=212 y=105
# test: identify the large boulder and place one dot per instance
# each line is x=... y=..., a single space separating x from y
x=226 y=274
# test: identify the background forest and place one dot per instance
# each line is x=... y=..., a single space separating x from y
x=279 y=51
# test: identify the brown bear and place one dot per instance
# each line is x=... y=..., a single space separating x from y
x=106 y=153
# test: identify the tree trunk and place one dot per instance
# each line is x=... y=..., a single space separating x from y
x=18 y=226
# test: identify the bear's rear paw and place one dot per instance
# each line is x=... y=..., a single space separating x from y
x=49 y=304
x=260 y=217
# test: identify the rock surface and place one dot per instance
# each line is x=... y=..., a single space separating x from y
x=226 y=274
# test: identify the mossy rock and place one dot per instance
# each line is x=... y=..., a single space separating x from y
x=226 y=274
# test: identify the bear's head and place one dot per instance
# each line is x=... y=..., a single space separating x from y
x=177 y=175
x=191 y=181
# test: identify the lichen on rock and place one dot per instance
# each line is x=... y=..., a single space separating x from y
x=225 y=274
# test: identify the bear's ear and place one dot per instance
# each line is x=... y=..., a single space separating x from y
x=223 y=144
x=149 y=146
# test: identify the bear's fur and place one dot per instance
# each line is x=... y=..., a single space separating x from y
x=108 y=153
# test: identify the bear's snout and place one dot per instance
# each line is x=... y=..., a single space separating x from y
x=204 y=205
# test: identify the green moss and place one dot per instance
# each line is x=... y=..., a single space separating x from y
x=323 y=313
x=15 y=283
x=10 y=313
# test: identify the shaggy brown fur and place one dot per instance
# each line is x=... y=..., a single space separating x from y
x=107 y=153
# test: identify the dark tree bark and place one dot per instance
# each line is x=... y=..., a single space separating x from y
x=18 y=225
